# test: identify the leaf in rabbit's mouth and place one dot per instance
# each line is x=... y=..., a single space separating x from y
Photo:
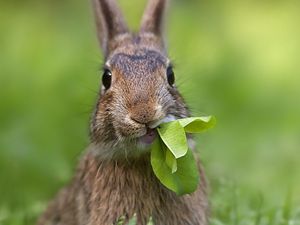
x=172 y=161
x=149 y=137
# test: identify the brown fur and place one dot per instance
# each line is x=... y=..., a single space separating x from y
x=104 y=191
x=115 y=178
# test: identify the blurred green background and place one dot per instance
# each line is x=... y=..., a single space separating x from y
x=237 y=60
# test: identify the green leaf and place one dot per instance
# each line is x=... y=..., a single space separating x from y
x=171 y=160
x=173 y=135
x=185 y=180
x=197 y=124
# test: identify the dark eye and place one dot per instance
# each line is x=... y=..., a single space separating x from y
x=106 y=79
x=170 y=76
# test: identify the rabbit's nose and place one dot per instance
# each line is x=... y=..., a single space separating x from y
x=142 y=114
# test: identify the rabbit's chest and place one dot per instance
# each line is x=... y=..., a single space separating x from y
x=123 y=190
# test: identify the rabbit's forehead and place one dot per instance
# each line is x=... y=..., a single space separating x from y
x=139 y=62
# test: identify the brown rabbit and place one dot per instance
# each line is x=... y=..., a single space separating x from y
x=114 y=178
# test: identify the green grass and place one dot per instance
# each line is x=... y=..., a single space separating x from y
x=230 y=205
x=235 y=60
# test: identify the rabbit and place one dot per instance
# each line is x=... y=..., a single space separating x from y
x=114 y=178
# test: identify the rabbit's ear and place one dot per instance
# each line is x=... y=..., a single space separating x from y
x=109 y=21
x=152 y=21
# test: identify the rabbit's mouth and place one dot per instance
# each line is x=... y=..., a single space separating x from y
x=151 y=133
x=149 y=137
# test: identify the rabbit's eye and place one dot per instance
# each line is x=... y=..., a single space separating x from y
x=170 y=76
x=106 y=79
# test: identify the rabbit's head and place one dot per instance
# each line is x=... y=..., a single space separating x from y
x=138 y=86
